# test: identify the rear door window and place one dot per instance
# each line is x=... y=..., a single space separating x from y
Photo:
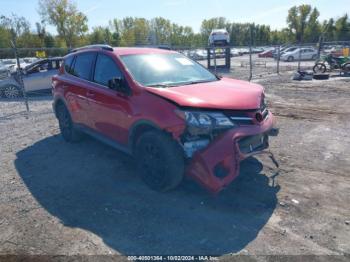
x=68 y=64
x=83 y=65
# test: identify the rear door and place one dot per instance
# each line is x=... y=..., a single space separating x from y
x=76 y=85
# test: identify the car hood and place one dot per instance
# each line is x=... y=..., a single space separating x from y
x=224 y=94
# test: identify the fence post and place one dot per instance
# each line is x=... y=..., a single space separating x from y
x=320 y=42
x=19 y=74
x=278 y=59
x=299 y=56
x=250 y=55
x=214 y=55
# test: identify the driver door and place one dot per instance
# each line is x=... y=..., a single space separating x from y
x=35 y=78
x=108 y=109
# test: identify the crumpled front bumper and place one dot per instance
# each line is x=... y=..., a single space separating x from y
x=217 y=165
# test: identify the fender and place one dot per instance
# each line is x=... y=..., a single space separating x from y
x=148 y=125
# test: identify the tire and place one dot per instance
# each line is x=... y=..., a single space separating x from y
x=346 y=67
x=160 y=161
x=68 y=131
x=319 y=68
x=11 y=92
x=321 y=76
x=290 y=59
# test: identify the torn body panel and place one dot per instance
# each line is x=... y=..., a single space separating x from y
x=217 y=165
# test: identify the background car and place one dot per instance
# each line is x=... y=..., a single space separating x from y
x=266 y=53
x=235 y=52
x=219 y=37
x=36 y=76
x=286 y=50
x=303 y=53
x=4 y=72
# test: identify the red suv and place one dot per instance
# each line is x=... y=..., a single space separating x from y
x=173 y=115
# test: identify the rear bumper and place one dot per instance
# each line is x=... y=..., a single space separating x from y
x=217 y=165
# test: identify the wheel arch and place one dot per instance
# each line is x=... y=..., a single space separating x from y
x=57 y=102
x=139 y=128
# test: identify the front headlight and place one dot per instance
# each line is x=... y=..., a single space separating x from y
x=205 y=122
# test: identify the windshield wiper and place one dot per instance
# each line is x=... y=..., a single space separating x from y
x=160 y=85
x=197 y=82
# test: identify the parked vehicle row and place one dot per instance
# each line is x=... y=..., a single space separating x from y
x=201 y=54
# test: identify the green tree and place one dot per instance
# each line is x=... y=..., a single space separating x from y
x=101 y=35
x=342 y=28
x=70 y=23
x=160 y=31
x=328 y=30
x=5 y=37
x=17 y=25
x=214 y=23
x=303 y=19
x=313 y=27
x=41 y=32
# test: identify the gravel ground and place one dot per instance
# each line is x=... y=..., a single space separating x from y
x=86 y=198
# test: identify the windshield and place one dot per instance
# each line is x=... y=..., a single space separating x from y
x=165 y=70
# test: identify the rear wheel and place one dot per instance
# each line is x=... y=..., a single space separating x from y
x=160 y=161
x=290 y=59
x=319 y=68
x=12 y=91
x=68 y=131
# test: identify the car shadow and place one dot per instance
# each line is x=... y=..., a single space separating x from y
x=96 y=188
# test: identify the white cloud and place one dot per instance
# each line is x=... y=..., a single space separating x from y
x=91 y=9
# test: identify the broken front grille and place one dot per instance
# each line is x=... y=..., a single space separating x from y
x=249 y=117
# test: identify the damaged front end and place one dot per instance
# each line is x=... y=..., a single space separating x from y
x=216 y=141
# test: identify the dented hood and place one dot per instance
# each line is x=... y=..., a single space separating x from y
x=226 y=93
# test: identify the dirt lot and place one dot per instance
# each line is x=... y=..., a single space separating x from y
x=86 y=199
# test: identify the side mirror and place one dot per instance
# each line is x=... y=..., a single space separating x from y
x=120 y=85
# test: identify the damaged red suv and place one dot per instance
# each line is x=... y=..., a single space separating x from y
x=174 y=116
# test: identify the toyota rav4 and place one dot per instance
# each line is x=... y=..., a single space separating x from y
x=173 y=115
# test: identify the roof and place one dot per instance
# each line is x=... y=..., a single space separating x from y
x=124 y=50
x=139 y=50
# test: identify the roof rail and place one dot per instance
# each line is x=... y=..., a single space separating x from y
x=98 y=46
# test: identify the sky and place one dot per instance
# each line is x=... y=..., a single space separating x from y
x=183 y=12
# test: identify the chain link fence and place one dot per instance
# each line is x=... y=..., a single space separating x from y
x=242 y=62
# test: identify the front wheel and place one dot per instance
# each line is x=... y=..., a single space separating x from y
x=319 y=68
x=68 y=131
x=160 y=161
x=12 y=91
